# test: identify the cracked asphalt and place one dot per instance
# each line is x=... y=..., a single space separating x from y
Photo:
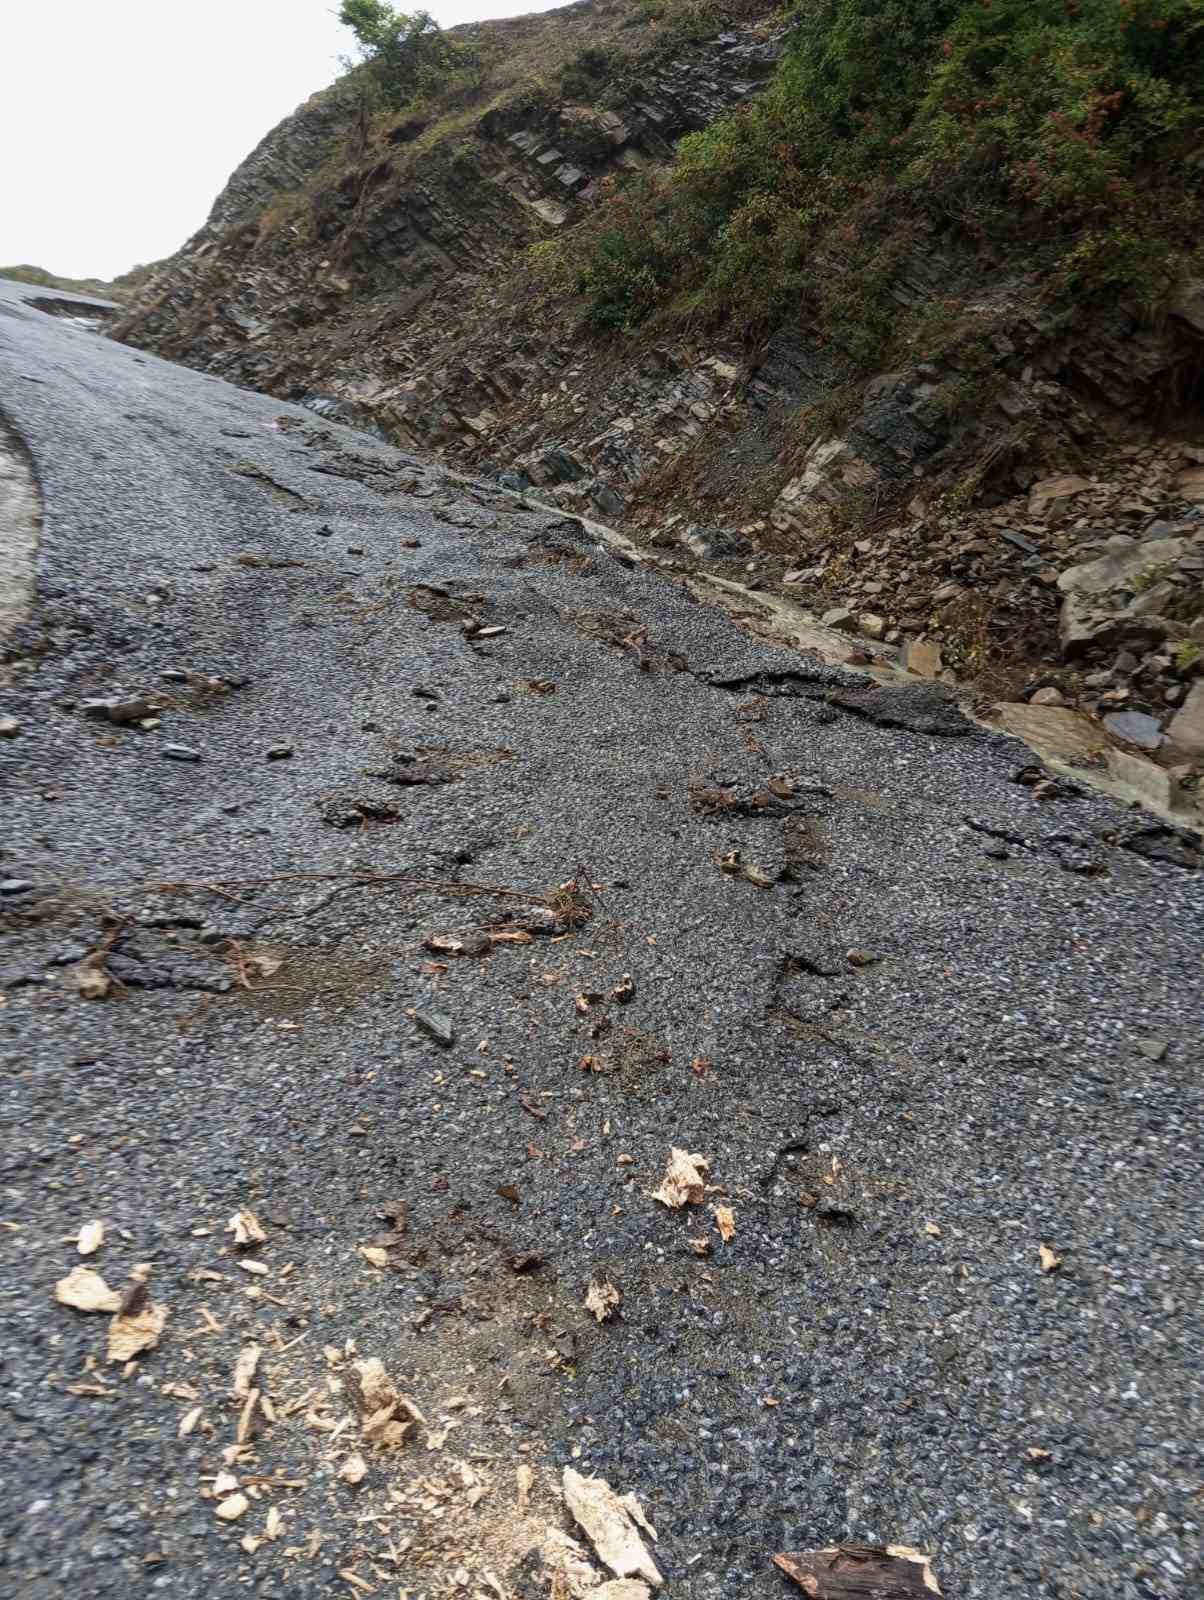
x=921 y=1019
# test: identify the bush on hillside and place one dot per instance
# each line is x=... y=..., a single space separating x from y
x=407 y=54
x=1065 y=128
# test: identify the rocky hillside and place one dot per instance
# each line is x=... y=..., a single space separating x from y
x=956 y=420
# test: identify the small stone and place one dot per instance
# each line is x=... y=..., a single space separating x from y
x=438 y=1025
x=9 y=727
x=1152 y=1049
x=421 y=692
x=923 y=657
x=14 y=886
x=280 y=752
x=870 y=625
x=1049 y=696
x=1134 y=727
x=355 y=550
x=174 y=675
x=839 y=617
x=324 y=532
x=179 y=752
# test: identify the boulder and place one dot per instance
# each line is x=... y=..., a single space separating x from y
x=1124 y=562
x=1185 y=732
x=1084 y=626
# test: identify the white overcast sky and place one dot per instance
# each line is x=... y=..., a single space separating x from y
x=120 y=120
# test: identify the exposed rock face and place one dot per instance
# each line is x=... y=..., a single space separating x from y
x=398 y=297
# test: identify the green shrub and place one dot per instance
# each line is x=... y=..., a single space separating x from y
x=407 y=55
x=1056 y=127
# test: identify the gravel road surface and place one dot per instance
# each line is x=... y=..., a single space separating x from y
x=385 y=858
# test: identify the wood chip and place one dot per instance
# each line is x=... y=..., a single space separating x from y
x=354 y=1470
x=374 y=1255
x=129 y=1336
x=83 y=1289
x=91 y=1237
x=860 y=1572
x=246 y=1417
x=246 y=1228
x=526 y=1480
x=188 y=1422
x=245 y=1368
x=91 y=980
x=725 y=1221
x=1050 y=1260
x=603 y=1299
x=258 y=1268
x=684 y=1182
x=611 y=1524
x=233 y=1507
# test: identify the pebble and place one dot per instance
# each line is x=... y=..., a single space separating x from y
x=438 y=1025
x=280 y=752
x=1048 y=696
x=179 y=752
x=174 y=675
x=16 y=885
x=9 y=727
x=1152 y=1049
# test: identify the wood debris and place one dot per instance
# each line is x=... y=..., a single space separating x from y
x=91 y=1237
x=91 y=979
x=611 y=1523
x=860 y=1572
x=246 y=1228
x=354 y=1470
x=232 y=1507
x=602 y=1299
x=387 y=1416
x=246 y=1417
x=130 y=1335
x=684 y=1182
x=83 y=1289
x=188 y=1422
x=725 y=1221
x=374 y=1255
x=1050 y=1260
x=245 y=1368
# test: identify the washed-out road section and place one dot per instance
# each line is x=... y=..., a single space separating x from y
x=921 y=1019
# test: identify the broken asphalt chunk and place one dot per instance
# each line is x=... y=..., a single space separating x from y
x=438 y=1025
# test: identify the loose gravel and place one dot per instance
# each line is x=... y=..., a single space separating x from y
x=1009 y=1059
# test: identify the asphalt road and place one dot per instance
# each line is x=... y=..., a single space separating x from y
x=942 y=1020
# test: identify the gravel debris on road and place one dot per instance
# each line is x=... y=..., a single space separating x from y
x=437 y=1002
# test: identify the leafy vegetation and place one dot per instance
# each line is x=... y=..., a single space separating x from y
x=1062 y=129
x=407 y=54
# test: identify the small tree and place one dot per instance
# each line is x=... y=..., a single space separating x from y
x=406 y=53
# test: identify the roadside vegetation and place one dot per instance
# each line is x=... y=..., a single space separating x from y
x=1066 y=133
